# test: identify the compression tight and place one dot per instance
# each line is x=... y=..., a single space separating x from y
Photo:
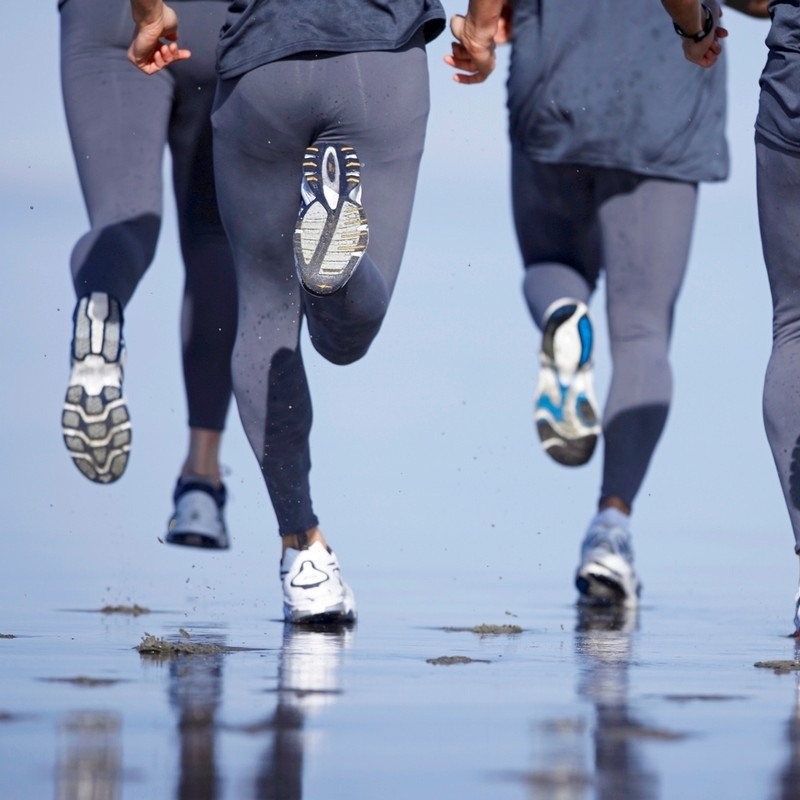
x=574 y=222
x=377 y=102
x=120 y=121
x=778 y=178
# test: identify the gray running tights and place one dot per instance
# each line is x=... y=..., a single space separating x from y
x=574 y=221
x=378 y=103
x=120 y=121
x=778 y=177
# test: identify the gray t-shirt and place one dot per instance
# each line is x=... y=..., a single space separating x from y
x=605 y=83
x=259 y=31
x=778 y=118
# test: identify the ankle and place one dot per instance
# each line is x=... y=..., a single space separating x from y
x=614 y=502
x=304 y=540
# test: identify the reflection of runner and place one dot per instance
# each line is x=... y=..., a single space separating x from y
x=309 y=678
x=322 y=107
x=603 y=646
x=778 y=189
x=609 y=143
x=195 y=692
x=119 y=123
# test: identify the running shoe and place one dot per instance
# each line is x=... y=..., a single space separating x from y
x=566 y=415
x=198 y=520
x=95 y=420
x=313 y=589
x=606 y=573
x=331 y=233
x=796 y=633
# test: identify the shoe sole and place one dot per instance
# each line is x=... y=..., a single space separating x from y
x=97 y=432
x=568 y=427
x=332 y=232
x=600 y=585
x=95 y=421
x=338 y=615
x=199 y=540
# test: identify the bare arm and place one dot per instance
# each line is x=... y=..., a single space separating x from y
x=154 y=44
x=753 y=8
x=474 y=33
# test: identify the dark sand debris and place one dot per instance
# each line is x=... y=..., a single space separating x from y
x=7 y=636
x=83 y=680
x=134 y=610
x=705 y=698
x=636 y=731
x=486 y=630
x=779 y=667
x=153 y=646
x=448 y=660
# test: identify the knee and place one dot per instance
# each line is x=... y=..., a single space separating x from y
x=342 y=353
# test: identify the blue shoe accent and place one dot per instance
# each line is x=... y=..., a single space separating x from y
x=566 y=414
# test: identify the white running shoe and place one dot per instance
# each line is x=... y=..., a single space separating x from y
x=566 y=415
x=606 y=573
x=313 y=589
x=198 y=520
x=331 y=233
x=797 y=614
x=95 y=420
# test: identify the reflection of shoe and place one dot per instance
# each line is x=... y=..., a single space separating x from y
x=606 y=573
x=603 y=642
x=198 y=520
x=311 y=657
x=95 y=421
x=313 y=589
x=331 y=233
x=566 y=414
x=613 y=618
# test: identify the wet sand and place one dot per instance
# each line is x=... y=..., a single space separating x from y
x=439 y=700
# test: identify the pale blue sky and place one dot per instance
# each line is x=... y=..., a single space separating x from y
x=425 y=458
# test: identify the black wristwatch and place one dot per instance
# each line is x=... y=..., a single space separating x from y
x=708 y=26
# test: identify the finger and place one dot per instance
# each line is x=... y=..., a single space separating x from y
x=457 y=26
x=467 y=64
x=468 y=79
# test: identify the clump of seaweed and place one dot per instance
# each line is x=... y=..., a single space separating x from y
x=162 y=648
x=134 y=610
x=487 y=630
x=450 y=660
x=779 y=667
x=84 y=680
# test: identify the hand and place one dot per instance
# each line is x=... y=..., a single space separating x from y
x=706 y=52
x=155 y=44
x=473 y=51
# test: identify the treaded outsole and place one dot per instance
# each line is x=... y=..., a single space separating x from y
x=97 y=432
x=330 y=242
x=568 y=452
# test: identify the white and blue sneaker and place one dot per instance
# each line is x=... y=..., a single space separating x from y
x=566 y=415
x=95 y=420
x=605 y=573
x=198 y=517
x=313 y=589
x=331 y=233
x=796 y=620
